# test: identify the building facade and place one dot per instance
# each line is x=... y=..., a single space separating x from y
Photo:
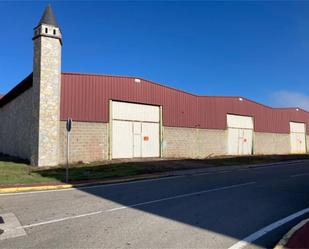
x=128 y=117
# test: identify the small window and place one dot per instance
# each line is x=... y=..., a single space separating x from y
x=54 y=32
x=46 y=30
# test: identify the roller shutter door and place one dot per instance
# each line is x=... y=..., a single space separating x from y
x=240 y=134
x=298 y=137
x=135 y=130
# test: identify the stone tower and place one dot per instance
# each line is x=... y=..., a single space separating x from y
x=46 y=91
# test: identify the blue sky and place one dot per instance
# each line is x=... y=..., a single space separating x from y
x=259 y=50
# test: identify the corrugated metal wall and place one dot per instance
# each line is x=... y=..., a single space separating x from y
x=86 y=97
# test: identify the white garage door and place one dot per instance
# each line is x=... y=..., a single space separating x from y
x=240 y=134
x=298 y=137
x=135 y=130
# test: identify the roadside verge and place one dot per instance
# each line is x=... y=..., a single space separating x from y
x=173 y=173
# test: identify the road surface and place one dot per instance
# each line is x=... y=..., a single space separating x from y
x=211 y=210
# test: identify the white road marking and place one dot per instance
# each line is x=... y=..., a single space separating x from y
x=304 y=174
x=135 y=205
x=260 y=233
x=61 y=219
x=182 y=196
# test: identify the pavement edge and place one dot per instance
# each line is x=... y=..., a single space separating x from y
x=136 y=178
x=79 y=185
x=34 y=188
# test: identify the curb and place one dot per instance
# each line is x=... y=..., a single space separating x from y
x=275 y=163
x=141 y=177
x=34 y=188
x=67 y=186
x=285 y=239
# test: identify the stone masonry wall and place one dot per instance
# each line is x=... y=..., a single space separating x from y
x=88 y=142
x=271 y=143
x=15 y=126
x=193 y=143
x=46 y=101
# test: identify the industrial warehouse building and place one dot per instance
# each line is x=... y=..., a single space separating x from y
x=129 y=117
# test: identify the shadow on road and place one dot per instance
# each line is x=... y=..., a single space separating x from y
x=203 y=202
x=228 y=212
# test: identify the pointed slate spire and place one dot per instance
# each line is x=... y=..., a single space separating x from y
x=48 y=17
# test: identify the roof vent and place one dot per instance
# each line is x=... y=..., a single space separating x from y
x=240 y=99
x=297 y=109
x=137 y=80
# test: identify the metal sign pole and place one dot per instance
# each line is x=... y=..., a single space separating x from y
x=68 y=151
x=69 y=127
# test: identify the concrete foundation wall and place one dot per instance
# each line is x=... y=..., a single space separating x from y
x=15 y=126
x=193 y=143
x=179 y=142
x=88 y=142
x=271 y=143
x=201 y=143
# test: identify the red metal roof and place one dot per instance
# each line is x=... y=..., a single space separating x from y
x=85 y=97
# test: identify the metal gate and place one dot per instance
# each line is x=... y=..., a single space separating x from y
x=240 y=135
x=298 y=137
x=135 y=130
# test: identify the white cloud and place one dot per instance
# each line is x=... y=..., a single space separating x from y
x=290 y=99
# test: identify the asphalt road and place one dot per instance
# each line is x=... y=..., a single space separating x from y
x=214 y=210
